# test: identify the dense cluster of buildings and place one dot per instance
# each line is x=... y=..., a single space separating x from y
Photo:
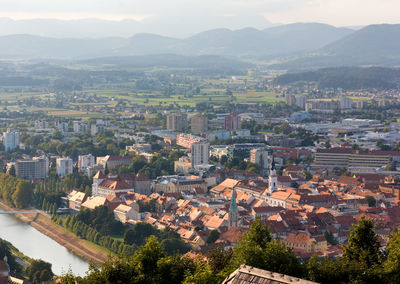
x=309 y=194
x=300 y=216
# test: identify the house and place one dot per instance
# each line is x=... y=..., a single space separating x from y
x=75 y=199
x=113 y=201
x=304 y=242
x=278 y=198
x=227 y=183
x=177 y=184
x=94 y=201
x=250 y=275
x=112 y=162
x=216 y=223
x=140 y=182
x=231 y=237
x=123 y=213
x=105 y=186
x=265 y=211
x=292 y=170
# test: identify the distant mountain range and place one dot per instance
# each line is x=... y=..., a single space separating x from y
x=160 y=24
x=243 y=43
x=296 y=46
x=377 y=45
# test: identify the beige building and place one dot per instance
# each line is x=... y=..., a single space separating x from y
x=303 y=241
x=37 y=168
x=75 y=199
x=199 y=123
x=177 y=121
x=176 y=184
x=123 y=213
x=346 y=157
x=114 y=161
x=183 y=165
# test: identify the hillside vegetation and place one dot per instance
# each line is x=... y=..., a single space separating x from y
x=349 y=78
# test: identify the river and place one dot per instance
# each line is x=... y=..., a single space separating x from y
x=36 y=245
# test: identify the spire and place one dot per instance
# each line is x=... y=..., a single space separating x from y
x=272 y=179
x=273 y=164
x=233 y=206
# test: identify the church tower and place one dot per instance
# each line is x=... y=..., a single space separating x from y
x=233 y=215
x=272 y=179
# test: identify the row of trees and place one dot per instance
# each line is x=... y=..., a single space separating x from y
x=363 y=261
x=89 y=233
x=15 y=191
x=100 y=227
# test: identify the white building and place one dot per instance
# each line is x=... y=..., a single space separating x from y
x=219 y=151
x=95 y=128
x=64 y=166
x=80 y=126
x=200 y=151
x=261 y=156
x=10 y=140
x=85 y=161
x=62 y=126
x=41 y=124
x=346 y=103
x=35 y=168
x=301 y=101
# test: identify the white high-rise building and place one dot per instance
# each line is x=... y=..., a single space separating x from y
x=346 y=103
x=62 y=126
x=41 y=124
x=85 y=161
x=35 y=168
x=10 y=140
x=80 y=126
x=200 y=151
x=64 y=166
x=301 y=101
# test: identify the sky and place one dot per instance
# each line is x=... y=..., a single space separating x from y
x=335 y=12
x=198 y=15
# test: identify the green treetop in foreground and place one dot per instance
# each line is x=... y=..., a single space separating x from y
x=363 y=261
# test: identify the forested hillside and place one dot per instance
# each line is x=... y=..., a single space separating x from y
x=349 y=78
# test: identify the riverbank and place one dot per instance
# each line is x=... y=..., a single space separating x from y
x=44 y=225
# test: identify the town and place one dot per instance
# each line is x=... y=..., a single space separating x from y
x=208 y=176
x=258 y=166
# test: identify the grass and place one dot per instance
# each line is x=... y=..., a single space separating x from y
x=212 y=95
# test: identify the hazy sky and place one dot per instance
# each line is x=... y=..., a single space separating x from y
x=335 y=12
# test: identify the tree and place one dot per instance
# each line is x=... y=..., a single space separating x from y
x=23 y=194
x=202 y=274
x=212 y=237
x=219 y=258
x=138 y=233
x=392 y=263
x=39 y=271
x=146 y=259
x=12 y=171
x=330 y=238
x=363 y=256
x=175 y=246
x=259 y=250
x=325 y=270
x=371 y=201
x=5 y=250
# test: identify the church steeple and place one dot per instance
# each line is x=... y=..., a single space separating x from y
x=272 y=167
x=272 y=179
x=233 y=215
